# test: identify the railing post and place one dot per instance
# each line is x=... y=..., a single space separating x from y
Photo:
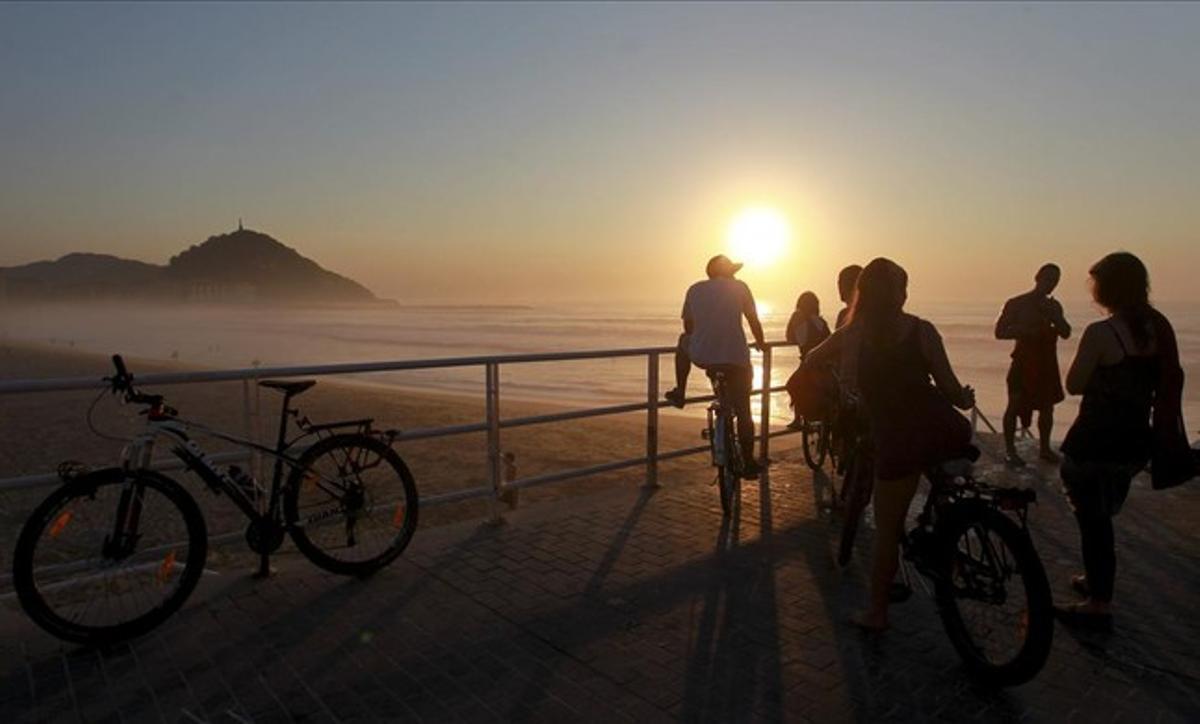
x=492 y=408
x=652 y=420
x=765 y=448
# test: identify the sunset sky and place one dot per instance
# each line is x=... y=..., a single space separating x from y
x=598 y=153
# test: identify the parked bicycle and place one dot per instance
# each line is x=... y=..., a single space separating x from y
x=112 y=553
x=724 y=444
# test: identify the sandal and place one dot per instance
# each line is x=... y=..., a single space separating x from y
x=1014 y=460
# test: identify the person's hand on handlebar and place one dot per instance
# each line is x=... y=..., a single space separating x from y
x=967 y=398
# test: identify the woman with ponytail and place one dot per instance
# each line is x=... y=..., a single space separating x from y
x=899 y=365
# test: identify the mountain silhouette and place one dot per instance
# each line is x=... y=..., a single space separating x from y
x=243 y=266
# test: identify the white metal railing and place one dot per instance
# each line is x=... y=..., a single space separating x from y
x=492 y=423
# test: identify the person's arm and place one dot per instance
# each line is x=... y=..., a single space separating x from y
x=939 y=366
x=826 y=353
x=1059 y=320
x=790 y=335
x=751 y=311
x=1008 y=326
x=689 y=323
x=1087 y=359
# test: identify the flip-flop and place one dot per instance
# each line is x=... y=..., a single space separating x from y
x=1013 y=461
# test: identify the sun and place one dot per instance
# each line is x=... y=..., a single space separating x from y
x=758 y=236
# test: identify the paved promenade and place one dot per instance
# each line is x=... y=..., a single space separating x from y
x=634 y=605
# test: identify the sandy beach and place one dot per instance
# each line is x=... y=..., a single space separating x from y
x=37 y=431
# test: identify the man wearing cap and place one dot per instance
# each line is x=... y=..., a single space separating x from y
x=713 y=339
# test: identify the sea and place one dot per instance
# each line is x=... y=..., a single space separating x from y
x=239 y=337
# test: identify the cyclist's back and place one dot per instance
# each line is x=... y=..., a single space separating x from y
x=716 y=307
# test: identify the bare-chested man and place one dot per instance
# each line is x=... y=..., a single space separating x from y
x=1035 y=321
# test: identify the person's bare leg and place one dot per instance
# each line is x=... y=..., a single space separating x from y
x=1045 y=427
x=892 y=498
x=683 y=367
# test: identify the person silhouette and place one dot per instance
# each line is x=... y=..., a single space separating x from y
x=713 y=339
x=806 y=329
x=846 y=281
x=892 y=356
x=1127 y=369
x=1034 y=321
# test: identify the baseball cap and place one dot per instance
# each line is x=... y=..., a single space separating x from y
x=721 y=266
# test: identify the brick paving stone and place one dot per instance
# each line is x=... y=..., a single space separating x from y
x=626 y=606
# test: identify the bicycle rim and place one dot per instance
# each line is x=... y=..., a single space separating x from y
x=351 y=504
x=995 y=599
x=86 y=579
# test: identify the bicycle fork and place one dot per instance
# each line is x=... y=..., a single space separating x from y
x=123 y=540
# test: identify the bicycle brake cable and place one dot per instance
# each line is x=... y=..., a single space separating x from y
x=92 y=426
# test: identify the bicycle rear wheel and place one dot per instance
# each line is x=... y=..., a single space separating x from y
x=109 y=556
x=729 y=475
x=351 y=504
x=993 y=597
x=815 y=439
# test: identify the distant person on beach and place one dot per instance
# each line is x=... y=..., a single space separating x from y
x=713 y=339
x=1035 y=321
x=1127 y=369
x=846 y=281
x=806 y=329
x=894 y=356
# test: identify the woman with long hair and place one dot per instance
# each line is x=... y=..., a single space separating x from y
x=899 y=365
x=1127 y=369
x=806 y=328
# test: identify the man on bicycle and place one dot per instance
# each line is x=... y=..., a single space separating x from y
x=714 y=340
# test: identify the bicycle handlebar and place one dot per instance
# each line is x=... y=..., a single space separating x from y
x=122 y=382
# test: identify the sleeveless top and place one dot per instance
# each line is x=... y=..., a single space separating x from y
x=1113 y=425
x=913 y=425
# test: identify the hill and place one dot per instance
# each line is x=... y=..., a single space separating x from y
x=243 y=266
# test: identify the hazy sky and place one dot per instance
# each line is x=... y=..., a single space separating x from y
x=597 y=152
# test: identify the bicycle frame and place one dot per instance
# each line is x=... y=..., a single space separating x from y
x=158 y=425
x=951 y=489
x=720 y=418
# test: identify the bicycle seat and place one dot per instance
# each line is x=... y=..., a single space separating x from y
x=288 y=387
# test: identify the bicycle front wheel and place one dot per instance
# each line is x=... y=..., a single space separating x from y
x=993 y=597
x=351 y=504
x=856 y=492
x=109 y=556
